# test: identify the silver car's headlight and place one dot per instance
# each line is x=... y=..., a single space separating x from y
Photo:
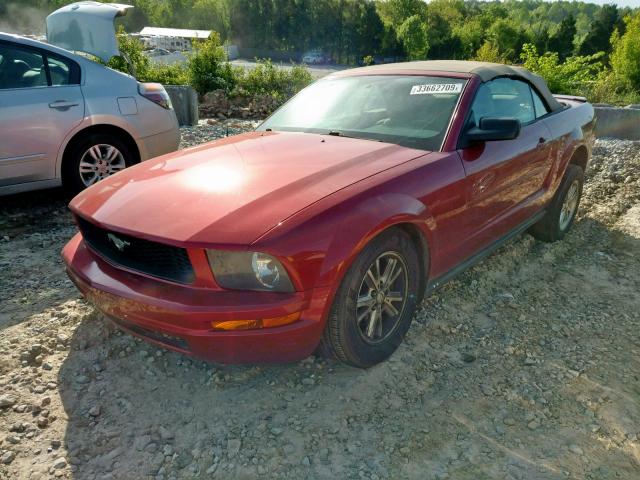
x=248 y=271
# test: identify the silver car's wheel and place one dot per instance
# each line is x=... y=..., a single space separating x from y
x=381 y=298
x=94 y=157
x=99 y=162
x=570 y=205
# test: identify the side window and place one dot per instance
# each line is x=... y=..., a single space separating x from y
x=503 y=97
x=483 y=106
x=540 y=107
x=21 y=68
x=62 y=71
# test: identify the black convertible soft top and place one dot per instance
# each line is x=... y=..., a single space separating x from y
x=485 y=70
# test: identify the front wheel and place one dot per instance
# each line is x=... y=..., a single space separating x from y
x=376 y=301
x=563 y=208
x=93 y=159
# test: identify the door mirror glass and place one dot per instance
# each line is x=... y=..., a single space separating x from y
x=493 y=129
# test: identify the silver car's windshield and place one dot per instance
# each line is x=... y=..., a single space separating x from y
x=408 y=110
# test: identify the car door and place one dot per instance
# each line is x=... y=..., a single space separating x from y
x=503 y=178
x=40 y=103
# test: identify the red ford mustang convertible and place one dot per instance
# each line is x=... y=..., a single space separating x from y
x=324 y=228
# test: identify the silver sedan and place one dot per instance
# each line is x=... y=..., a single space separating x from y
x=66 y=119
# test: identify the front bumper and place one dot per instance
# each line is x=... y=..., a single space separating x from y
x=178 y=317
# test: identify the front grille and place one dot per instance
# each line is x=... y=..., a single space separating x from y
x=155 y=259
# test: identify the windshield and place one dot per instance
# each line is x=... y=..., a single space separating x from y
x=412 y=111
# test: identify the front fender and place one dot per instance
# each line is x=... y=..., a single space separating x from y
x=319 y=248
x=364 y=222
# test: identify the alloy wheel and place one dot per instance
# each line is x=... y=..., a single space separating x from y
x=570 y=205
x=382 y=297
x=99 y=162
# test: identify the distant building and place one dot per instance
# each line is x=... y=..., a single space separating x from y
x=172 y=39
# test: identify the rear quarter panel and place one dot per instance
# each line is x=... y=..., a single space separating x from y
x=572 y=128
x=102 y=87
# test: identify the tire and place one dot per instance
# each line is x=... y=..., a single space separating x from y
x=106 y=162
x=563 y=208
x=368 y=342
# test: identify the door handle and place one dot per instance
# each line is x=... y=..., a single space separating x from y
x=62 y=105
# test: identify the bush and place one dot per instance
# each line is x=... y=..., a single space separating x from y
x=268 y=79
x=610 y=88
x=488 y=52
x=132 y=56
x=208 y=68
x=176 y=74
x=576 y=76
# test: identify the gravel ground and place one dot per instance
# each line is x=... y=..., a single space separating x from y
x=526 y=367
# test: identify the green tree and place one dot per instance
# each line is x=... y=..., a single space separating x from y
x=470 y=36
x=208 y=69
x=576 y=76
x=597 y=40
x=439 y=35
x=625 y=58
x=488 y=52
x=395 y=12
x=508 y=37
x=210 y=15
x=562 y=40
x=413 y=35
x=368 y=29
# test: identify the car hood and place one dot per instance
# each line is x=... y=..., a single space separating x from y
x=233 y=190
x=86 y=27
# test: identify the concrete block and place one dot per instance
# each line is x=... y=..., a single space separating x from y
x=617 y=122
x=185 y=103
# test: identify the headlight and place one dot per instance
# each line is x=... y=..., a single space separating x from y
x=248 y=271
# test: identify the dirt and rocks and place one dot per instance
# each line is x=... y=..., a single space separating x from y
x=218 y=104
x=526 y=367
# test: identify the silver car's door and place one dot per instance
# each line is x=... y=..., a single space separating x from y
x=40 y=103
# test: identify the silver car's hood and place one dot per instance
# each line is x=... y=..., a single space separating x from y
x=86 y=27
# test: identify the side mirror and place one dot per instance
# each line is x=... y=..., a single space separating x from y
x=491 y=129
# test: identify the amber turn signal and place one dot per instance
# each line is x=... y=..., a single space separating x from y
x=256 y=323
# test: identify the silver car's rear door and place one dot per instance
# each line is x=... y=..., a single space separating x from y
x=40 y=103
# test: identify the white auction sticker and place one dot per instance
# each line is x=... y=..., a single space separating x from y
x=436 y=88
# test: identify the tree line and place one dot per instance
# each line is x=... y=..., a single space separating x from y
x=349 y=30
x=583 y=47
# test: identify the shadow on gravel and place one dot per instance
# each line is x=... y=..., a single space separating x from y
x=34 y=226
x=138 y=411
x=31 y=211
x=134 y=408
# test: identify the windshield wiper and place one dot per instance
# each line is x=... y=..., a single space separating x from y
x=338 y=133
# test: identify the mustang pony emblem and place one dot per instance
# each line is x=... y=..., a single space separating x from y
x=120 y=244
